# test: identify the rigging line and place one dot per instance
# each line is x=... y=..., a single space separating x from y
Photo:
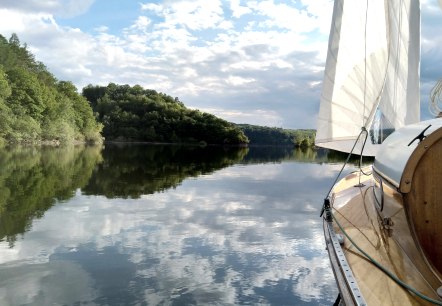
x=384 y=269
x=358 y=229
x=360 y=157
x=343 y=166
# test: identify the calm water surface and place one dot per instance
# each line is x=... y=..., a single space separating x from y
x=164 y=225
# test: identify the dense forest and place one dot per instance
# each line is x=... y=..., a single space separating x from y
x=35 y=106
x=132 y=113
x=261 y=135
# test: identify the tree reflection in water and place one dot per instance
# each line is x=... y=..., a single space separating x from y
x=129 y=171
x=33 y=179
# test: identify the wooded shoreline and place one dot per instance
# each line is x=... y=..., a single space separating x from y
x=38 y=109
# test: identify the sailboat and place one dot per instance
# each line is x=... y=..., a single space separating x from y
x=382 y=223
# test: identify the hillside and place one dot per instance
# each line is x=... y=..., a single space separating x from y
x=132 y=113
x=35 y=106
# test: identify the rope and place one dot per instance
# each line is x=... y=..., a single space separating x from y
x=326 y=199
x=360 y=158
x=348 y=158
x=436 y=99
x=385 y=270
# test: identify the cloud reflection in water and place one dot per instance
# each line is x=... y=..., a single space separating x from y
x=245 y=234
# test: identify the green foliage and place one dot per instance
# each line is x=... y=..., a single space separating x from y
x=5 y=112
x=26 y=97
x=138 y=114
x=304 y=138
x=34 y=106
x=261 y=135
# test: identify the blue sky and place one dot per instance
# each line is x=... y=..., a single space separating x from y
x=114 y=14
x=257 y=62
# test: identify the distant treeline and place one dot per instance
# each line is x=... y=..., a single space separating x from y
x=35 y=106
x=261 y=135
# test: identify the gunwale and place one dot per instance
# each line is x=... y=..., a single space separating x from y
x=391 y=245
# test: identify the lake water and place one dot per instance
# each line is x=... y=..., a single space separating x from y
x=164 y=225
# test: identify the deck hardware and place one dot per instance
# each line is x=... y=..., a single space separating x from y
x=439 y=291
x=387 y=222
x=421 y=136
x=341 y=238
x=326 y=209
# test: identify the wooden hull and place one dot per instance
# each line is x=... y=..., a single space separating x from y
x=386 y=237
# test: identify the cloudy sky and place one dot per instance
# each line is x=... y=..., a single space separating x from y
x=258 y=62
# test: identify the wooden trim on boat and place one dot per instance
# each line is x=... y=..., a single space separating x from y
x=413 y=161
x=423 y=203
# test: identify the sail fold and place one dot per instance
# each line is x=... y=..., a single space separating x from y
x=372 y=64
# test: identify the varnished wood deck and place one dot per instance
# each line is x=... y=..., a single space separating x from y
x=390 y=244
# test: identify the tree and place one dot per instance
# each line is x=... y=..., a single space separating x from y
x=34 y=105
x=135 y=113
x=26 y=96
x=5 y=112
x=14 y=41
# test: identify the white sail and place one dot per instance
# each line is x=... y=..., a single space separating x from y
x=372 y=62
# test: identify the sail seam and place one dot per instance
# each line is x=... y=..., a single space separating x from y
x=365 y=64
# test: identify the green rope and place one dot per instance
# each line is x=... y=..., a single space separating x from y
x=383 y=269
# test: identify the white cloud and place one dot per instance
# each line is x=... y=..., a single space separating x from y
x=284 y=16
x=14 y=21
x=239 y=81
x=142 y=23
x=258 y=116
x=156 y=8
x=322 y=9
x=238 y=10
x=62 y=8
x=241 y=55
x=194 y=15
